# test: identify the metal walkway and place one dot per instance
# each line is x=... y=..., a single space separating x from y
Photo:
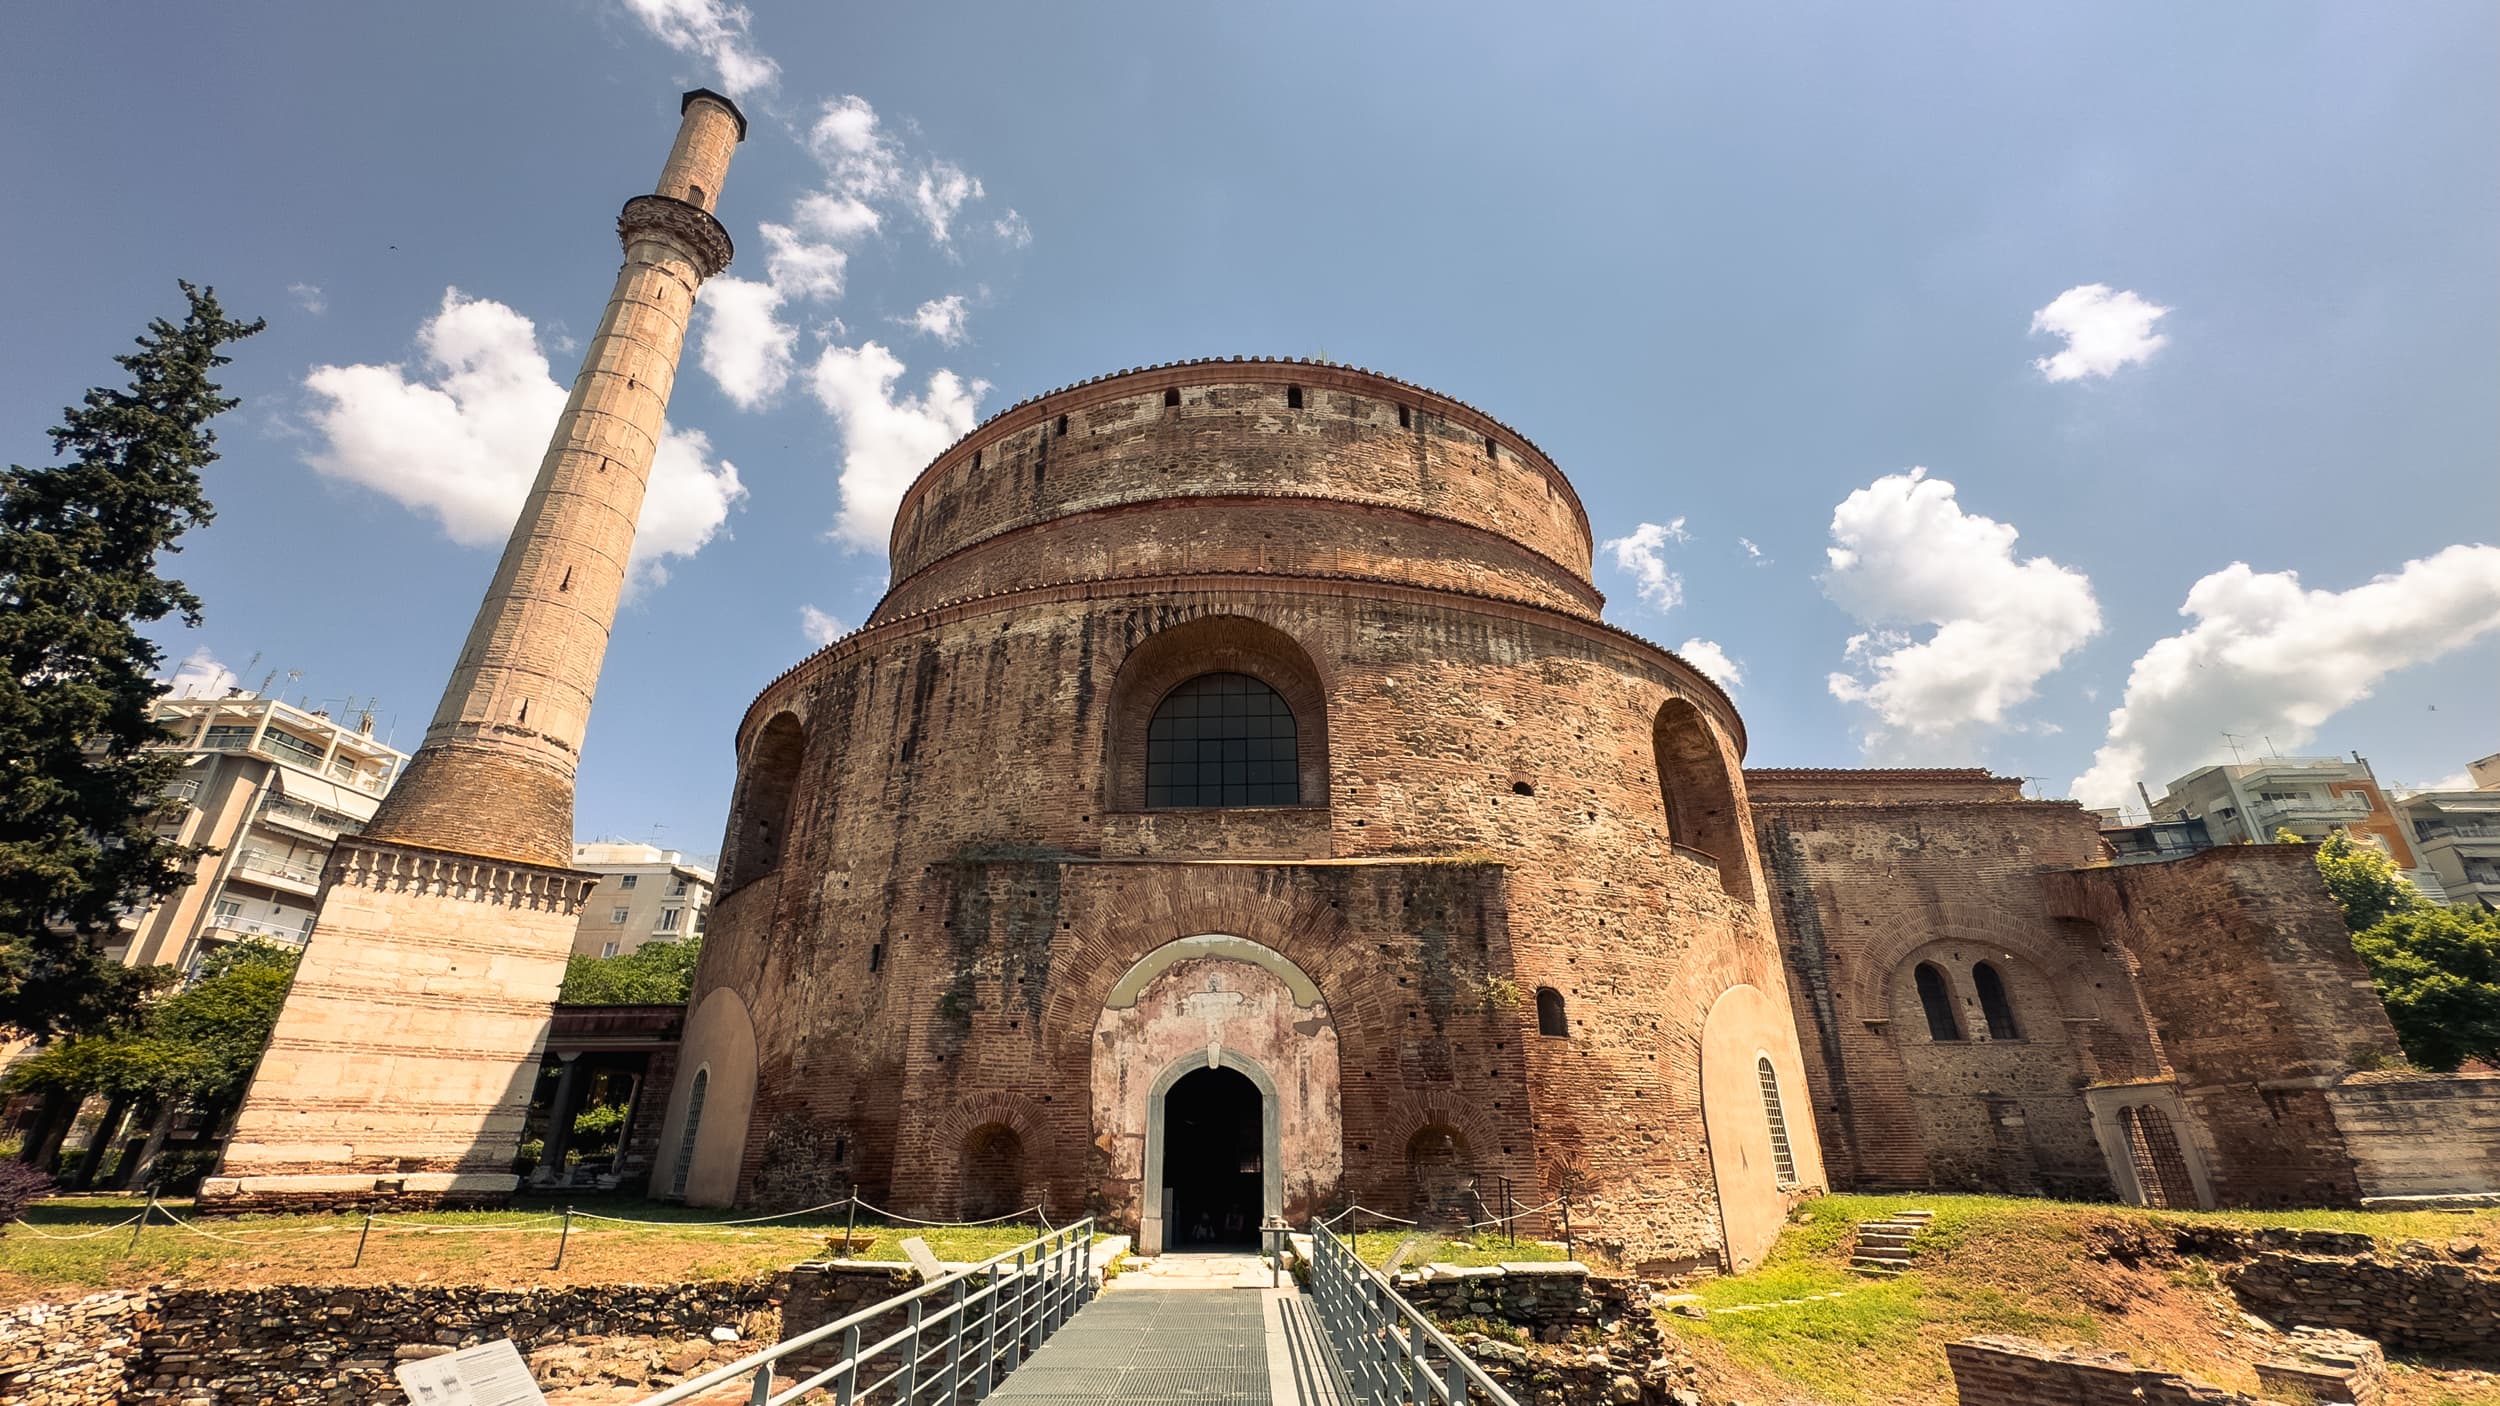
x=1152 y=1347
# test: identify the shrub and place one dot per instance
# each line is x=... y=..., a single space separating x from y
x=20 y=1187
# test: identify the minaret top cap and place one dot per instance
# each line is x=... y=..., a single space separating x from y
x=723 y=100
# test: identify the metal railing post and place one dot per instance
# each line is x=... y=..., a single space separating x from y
x=955 y=1347
x=763 y=1390
x=1015 y=1342
x=984 y=1374
x=847 y=1387
x=911 y=1360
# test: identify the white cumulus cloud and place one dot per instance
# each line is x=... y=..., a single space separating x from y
x=801 y=267
x=887 y=436
x=1908 y=558
x=309 y=297
x=1643 y=553
x=942 y=318
x=199 y=675
x=460 y=436
x=1707 y=656
x=715 y=32
x=2266 y=657
x=1012 y=229
x=821 y=629
x=2104 y=330
x=943 y=189
x=749 y=351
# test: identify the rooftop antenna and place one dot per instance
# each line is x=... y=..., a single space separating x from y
x=2232 y=740
x=2271 y=749
x=2027 y=784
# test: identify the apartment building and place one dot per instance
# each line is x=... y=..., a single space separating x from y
x=266 y=789
x=2457 y=835
x=648 y=895
x=2250 y=802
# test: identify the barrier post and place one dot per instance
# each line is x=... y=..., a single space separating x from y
x=144 y=1212
x=564 y=1237
x=361 y=1237
x=850 y=1227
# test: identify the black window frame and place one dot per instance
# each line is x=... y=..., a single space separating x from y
x=1222 y=741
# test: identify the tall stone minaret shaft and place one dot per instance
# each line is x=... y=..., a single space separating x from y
x=495 y=775
x=402 y=1066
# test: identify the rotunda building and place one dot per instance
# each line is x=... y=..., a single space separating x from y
x=1237 y=806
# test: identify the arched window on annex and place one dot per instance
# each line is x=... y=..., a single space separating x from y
x=1783 y=1157
x=1551 y=1017
x=760 y=817
x=1697 y=784
x=1222 y=711
x=1994 y=1008
x=1935 y=997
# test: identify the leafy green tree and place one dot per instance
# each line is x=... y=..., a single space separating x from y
x=2439 y=971
x=197 y=1046
x=2364 y=881
x=654 y=974
x=79 y=784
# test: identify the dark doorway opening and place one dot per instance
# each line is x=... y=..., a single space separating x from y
x=1212 y=1150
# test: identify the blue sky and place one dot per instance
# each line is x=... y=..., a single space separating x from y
x=1740 y=271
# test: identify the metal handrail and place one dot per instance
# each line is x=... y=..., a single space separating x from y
x=962 y=1332
x=1385 y=1345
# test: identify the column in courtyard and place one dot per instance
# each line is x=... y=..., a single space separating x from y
x=404 y=1059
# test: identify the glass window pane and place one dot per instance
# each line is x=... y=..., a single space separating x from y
x=1222 y=740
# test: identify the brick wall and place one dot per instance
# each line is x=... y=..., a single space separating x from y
x=1874 y=873
x=2260 y=1003
x=964 y=875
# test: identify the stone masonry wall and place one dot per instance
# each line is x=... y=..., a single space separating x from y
x=1874 y=873
x=180 y=1346
x=70 y=1354
x=2260 y=1003
x=2014 y=1371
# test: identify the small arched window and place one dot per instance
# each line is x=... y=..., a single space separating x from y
x=1783 y=1157
x=1937 y=999
x=685 y=1139
x=993 y=1173
x=1222 y=740
x=1551 y=1019
x=1994 y=1008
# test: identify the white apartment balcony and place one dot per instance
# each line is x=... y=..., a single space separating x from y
x=287 y=750
x=2324 y=810
x=269 y=871
x=301 y=819
x=235 y=929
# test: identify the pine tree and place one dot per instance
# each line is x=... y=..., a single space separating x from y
x=79 y=782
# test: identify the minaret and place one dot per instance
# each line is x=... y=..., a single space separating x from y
x=495 y=776
x=402 y=1065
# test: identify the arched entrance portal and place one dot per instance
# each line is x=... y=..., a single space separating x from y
x=1181 y=1036
x=1214 y=1161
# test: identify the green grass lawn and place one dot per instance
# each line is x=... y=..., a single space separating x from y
x=1481 y=1248
x=1986 y=1264
x=516 y=1246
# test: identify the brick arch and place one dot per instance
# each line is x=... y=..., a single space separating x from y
x=1212 y=644
x=1889 y=958
x=1163 y=908
x=1406 y=1114
x=764 y=804
x=1013 y=1111
x=1702 y=791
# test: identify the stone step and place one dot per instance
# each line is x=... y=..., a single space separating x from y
x=1888 y=1254
x=1881 y=1269
x=1870 y=1232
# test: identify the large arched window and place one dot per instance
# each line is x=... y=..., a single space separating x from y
x=1222 y=740
x=1696 y=785
x=761 y=817
x=1783 y=1158
x=1994 y=1008
x=685 y=1140
x=1550 y=1016
x=1937 y=1000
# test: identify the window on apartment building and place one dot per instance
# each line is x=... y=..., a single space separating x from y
x=626 y=881
x=308 y=927
x=608 y=949
x=702 y=919
x=229 y=908
x=669 y=918
x=619 y=915
x=676 y=885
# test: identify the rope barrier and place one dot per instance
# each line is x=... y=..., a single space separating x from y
x=745 y=1220
x=40 y=1234
x=1010 y=1217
